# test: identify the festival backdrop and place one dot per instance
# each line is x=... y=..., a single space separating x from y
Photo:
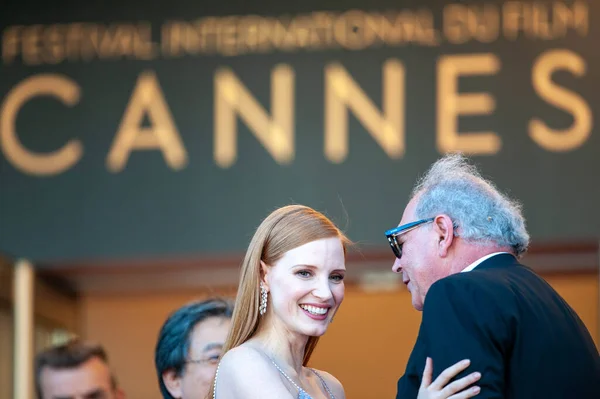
x=142 y=129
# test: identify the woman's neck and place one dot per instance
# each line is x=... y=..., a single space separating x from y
x=285 y=347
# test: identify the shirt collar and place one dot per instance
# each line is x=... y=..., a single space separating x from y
x=480 y=260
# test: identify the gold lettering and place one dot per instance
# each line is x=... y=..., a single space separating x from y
x=399 y=28
x=147 y=99
x=349 y=30
x=455 y=23
x=410 y=27
x=248 y=34
x=546 y=21
x=322 y=35
x=282 y=35
x=115 y=41
x=31 y=44
x=181 y=38
x=228 y=36
x=67 y=91
x=167 y=37
x=451 y=104
x=560 y=139
x=570 y=16
x=425 y=33
x=54 y=49
x=342 y=93
x=276 y=134
x=484 y=21
x=73 y=40
x=516 y=17
x=463 y=23
x=143 y=46
x=11 y=38
x=302 y=26
x=541 y=25
x=209 y=34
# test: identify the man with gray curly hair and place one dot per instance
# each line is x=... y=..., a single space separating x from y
x=458 y=247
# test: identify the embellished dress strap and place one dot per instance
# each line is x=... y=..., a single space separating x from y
x=302 y=394
x=215 y=383
x=324 y=383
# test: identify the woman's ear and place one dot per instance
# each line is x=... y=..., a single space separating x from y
x=264 y=271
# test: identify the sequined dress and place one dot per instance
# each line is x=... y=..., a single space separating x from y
x=302 y=394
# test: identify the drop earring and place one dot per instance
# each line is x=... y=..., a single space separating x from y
x=262 y=309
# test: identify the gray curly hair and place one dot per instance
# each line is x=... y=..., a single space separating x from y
x=480 y=212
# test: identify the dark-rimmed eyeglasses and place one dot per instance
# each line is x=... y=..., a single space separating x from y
x=392 y=235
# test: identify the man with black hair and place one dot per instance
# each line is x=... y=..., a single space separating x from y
x=189 y=348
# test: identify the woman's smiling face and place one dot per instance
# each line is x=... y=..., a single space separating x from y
x=306 y=286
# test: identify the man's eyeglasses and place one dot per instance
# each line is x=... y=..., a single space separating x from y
x=392 y=235
x=212 y=360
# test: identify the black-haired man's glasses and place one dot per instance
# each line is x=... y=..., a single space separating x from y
x=212 y=360
x=392 y=235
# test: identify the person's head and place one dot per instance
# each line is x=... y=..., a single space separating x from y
x=298 y=255
x=189 y=347
x=462 y=218
x=75 y=370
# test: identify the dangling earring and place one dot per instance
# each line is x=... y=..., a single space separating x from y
x=263 y=300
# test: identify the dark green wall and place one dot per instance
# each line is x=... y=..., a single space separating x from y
x=150 y=208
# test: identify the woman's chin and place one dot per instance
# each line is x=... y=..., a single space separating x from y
x=315 y=331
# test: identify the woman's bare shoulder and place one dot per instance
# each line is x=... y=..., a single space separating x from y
x=246 y=373
x=242 y=356
x=333 y=383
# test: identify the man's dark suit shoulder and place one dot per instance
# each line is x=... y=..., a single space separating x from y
x=515 y=328
x=477 y=287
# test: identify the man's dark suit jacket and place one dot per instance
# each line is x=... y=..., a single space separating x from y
x=517 y=331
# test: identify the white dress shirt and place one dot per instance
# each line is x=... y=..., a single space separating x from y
x=478 y=261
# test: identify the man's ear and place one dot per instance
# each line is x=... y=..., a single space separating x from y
x=172 y=382
x=444 y=229
x=264 y=271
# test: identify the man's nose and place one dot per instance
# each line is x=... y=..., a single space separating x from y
x=396 y=268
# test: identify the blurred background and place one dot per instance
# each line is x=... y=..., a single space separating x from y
x=142 y=142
